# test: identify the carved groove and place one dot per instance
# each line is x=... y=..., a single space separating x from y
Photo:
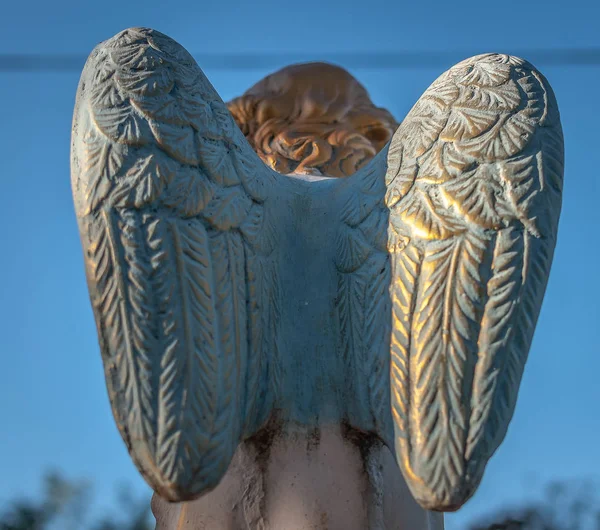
x=406 y=266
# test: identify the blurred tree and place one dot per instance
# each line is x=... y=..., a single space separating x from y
x=65 y=505
x=62 y=499
x=564 y=508
x=137 y=514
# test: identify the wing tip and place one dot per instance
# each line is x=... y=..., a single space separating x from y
x=184 y=487
x=123 y=43
x=439 y=499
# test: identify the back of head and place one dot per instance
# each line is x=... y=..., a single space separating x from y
x=312 y=118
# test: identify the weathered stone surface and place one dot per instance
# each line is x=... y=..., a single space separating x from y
x=400 y=301
x=322 y=479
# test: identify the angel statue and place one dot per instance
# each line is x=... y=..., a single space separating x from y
x=311 y=316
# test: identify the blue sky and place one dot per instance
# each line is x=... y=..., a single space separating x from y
x=53 y=405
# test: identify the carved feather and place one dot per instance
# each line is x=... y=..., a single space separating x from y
x=376 y=335
x=362 y=305
x=443 y=355
x=142 y=332
x=257 y=362
x=350 y=308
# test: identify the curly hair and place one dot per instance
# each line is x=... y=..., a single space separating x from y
x=312 y=118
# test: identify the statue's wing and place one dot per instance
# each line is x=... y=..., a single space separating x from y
x=441 y=282
x=172 y=208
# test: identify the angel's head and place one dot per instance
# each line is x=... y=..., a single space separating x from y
x=312 y=118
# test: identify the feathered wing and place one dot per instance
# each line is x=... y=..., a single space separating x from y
x=172 y=205
x=473 y=181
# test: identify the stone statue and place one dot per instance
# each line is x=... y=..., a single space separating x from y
x=305 y=310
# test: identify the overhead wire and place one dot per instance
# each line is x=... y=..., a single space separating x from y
x=22 y=62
